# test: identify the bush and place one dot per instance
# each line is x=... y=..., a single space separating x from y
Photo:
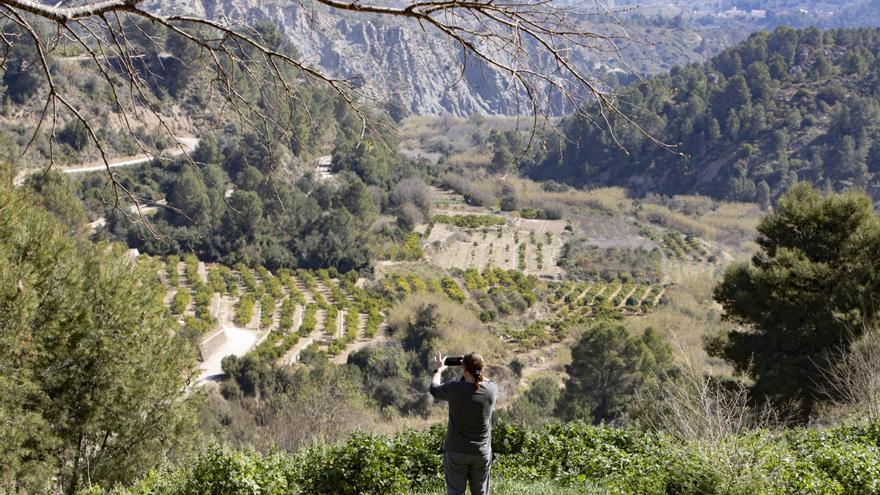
x=248 y=279
x=470 y=221
x=267 y=310
x=330 y=324
x=530 y=213
x=74 y=134
x=227 y=471
x=410 y=250
x=594 y=459
x=450 y=286
x=171 y=270
x=244 y=313
x=180 y=301
x=309 y=321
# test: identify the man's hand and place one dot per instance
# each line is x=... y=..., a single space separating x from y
x=437 y=373
x=438 y=362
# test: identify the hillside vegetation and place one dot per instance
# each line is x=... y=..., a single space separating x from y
x=780 y=107
x=557 y=459
x=642 y=342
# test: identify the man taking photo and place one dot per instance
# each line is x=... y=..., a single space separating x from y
x=468 y=446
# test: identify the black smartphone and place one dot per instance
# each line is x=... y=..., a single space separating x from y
x=453 y=361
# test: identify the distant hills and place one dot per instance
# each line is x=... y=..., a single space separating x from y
x=418 y=69
x=780 y=107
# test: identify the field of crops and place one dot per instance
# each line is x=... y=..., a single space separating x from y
x=529 y=247
x=677 y=245
x=288 y=310
x=576 y=303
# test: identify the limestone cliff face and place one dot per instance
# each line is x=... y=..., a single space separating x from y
x=396 y=59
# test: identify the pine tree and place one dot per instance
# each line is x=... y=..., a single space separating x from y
x=608 y=367
x=93 y=382
x=806 y=292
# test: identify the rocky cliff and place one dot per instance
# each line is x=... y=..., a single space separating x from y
x=398 y=60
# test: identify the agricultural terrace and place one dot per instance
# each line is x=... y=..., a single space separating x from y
x=275 y=316
x=482 y=240
x=523 y=310
x=572 y=304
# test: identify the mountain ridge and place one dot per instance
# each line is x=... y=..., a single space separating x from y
x=402 y=62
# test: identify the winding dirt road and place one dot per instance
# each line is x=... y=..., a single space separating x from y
x=189 y=145
x=235 y=340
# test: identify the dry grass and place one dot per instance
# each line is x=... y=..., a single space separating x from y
x=609 y=199
x=732 y=225
x=461 y=330
x=686 y=316
x=417 y=127
x=736 y=224
x=663 y=216
x=470 y=158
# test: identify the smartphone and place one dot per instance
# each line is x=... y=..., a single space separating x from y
x=453 y=361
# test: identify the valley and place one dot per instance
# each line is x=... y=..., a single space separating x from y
x=234 y=238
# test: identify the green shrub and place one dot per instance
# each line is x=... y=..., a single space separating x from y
x=352 y=320
x=267 y=310
x=530 y=213
x=180 y=302
x=319 y=299
x=285 y=276
x=330 y=323
x=571 y=457
x=409 y=250
x=374 y=318
x=473 y=280
x=171 y=263
x=307 y=279
x=288 y=309
x=222 y=470
x=374 y=464
x=270 y=282
x=310 y=320
x=470 y=221
x=248 y=280
x=244 y=313
x=229 y=280
x=451 y=288
x=202 y=304
x=191 y=270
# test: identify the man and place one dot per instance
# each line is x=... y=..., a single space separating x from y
x=468 y=446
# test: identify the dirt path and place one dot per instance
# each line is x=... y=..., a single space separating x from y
x=236 y=341
x=189 y=145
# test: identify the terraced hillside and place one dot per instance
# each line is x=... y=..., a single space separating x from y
x=461 y=236
x=236 y=311
x=526 y=312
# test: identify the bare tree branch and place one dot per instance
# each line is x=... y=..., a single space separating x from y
x=531 y=42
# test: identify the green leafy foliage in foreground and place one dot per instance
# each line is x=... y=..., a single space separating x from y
x=559 y=458
x=91 y=373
